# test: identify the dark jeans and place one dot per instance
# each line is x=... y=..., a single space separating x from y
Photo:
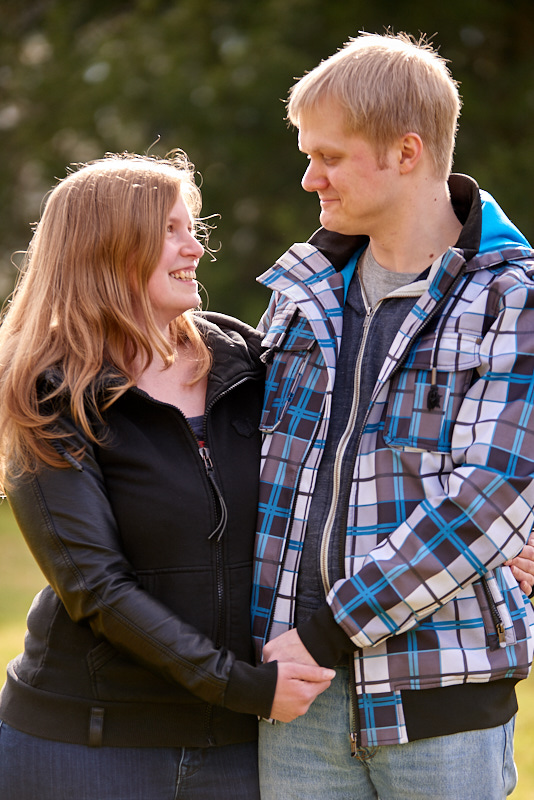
x=38 y=769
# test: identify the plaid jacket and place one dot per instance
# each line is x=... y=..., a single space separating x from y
x=441 y=495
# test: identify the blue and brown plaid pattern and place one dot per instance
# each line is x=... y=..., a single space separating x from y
x=441 y=496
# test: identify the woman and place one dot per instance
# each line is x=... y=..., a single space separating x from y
x=129 y=453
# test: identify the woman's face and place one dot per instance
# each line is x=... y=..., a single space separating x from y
x=172 y=287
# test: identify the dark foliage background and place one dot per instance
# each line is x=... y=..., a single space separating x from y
x=81 y=78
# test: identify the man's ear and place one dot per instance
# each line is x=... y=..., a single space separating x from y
x=409 y=152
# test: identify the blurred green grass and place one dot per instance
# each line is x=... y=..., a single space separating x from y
x=21 y=579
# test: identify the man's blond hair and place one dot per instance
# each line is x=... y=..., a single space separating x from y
x=388 y=85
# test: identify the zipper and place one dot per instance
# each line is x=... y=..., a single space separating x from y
x=494 y=611
x=223 y=511
x=218 y=531
x=208 y=463
x=354 y=717
x=343 y=444
x=355 y=728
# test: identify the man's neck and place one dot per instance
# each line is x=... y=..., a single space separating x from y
x=425 y=228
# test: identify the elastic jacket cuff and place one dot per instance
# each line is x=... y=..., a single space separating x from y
x=324 y=639
x=251 y=690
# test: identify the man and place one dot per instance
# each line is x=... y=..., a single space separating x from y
x=399 y=428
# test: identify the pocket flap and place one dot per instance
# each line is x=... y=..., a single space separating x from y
x=456 y=352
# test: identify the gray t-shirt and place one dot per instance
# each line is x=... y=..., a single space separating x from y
x=377 y=281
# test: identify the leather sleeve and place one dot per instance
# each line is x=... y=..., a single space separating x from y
x=68 y=524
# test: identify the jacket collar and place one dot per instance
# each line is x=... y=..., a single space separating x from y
x=236 y=350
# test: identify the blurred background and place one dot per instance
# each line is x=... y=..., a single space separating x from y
x=79 y=79
x=210 y=76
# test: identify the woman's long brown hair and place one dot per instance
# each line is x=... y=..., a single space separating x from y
x=73 y=310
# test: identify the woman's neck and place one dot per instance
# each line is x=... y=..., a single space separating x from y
x=173 y=384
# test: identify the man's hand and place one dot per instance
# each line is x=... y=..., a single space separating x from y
x=300 y=678
x=297 y=687
x=288 y=647
x=523 y=566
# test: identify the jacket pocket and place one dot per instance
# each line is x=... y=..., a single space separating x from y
x=115 y=677
x=496 y=616
x=288 y=347
x=411 y=421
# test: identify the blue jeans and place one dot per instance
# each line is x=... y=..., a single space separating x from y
x=38 y=769
x=309 y=759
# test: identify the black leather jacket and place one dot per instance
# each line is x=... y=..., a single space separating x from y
x=142 y=637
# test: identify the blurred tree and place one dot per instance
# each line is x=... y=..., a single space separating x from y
x=209 y=76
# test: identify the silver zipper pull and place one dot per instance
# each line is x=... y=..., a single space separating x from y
x=206 y=457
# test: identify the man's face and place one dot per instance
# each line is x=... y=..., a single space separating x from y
x=357 y=195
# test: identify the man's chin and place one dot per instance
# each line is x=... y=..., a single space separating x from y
x=337 y=226
x=330 y=225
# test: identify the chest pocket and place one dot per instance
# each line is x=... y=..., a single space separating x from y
x=409 y=422
x=289 y=344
